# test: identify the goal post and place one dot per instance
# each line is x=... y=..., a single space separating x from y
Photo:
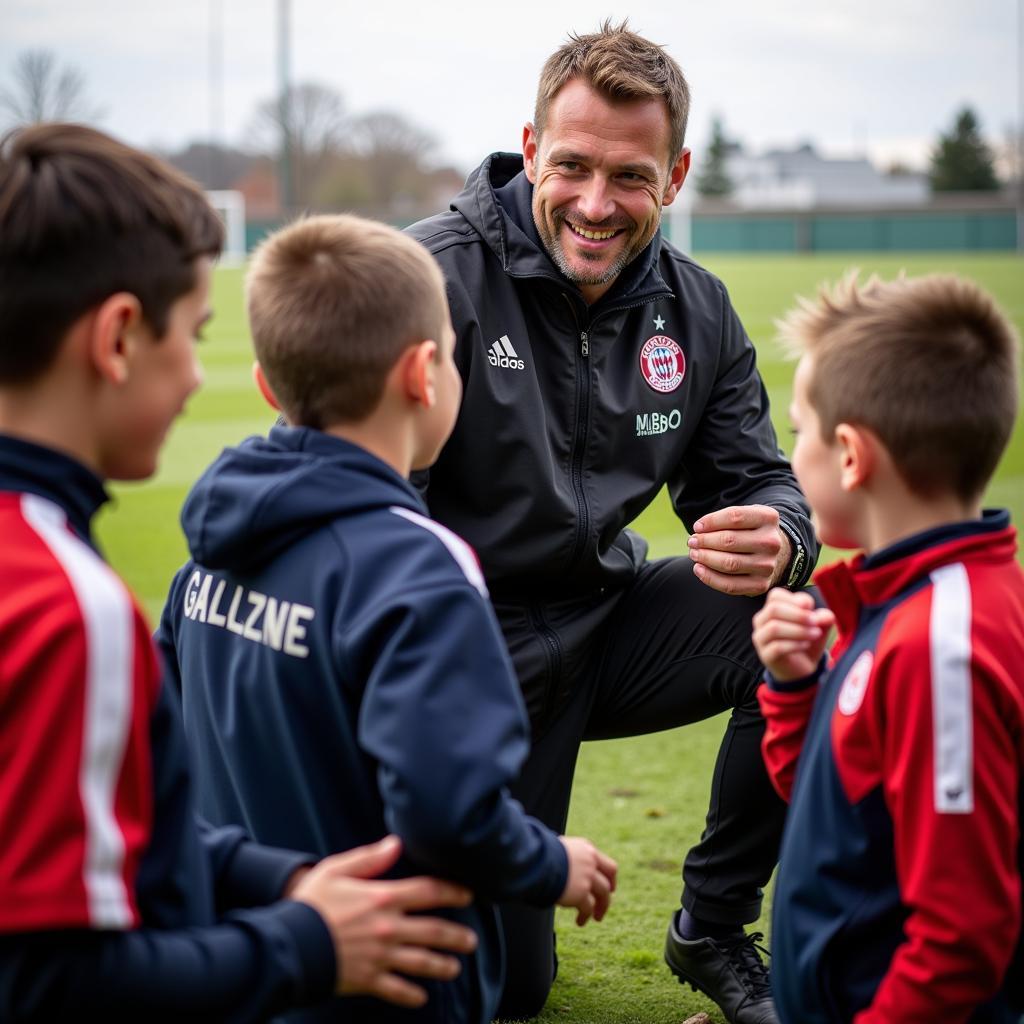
x=230 y=205
x=680 y=221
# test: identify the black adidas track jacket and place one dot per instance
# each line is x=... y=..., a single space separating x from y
x=575 y=416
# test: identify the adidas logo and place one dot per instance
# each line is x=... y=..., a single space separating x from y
x=502 y=354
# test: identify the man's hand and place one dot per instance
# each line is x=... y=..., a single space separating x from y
x=790 y=634
x=740 y=550
x=591 y=879
x=374 y=938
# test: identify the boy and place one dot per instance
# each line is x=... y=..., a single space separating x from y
x=113 y=905
x=342 y=671
x=898 y=895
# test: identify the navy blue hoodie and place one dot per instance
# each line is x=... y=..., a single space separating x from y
x=343 y=676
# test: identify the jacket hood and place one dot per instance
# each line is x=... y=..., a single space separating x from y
x=509 y=232
x=266 y=493
x=498 y=202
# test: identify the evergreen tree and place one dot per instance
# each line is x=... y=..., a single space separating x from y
x=713 y=179
x=962 y=160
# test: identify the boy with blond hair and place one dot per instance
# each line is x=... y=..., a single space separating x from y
x=898 y=896
x=114 y=905
x=341 y=669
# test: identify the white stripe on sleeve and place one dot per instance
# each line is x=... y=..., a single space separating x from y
x=460 y=550
x=108 y=618
x=952 y=715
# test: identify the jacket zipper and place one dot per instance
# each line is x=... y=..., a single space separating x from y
x=580 y=432
x=579 y=449
x=579 y=441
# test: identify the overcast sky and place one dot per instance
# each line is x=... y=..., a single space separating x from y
x=876 y=76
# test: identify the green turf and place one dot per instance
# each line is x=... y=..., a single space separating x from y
x=642 y=799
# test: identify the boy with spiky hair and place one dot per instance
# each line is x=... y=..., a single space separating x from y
x=898 y=896
x=114 y=904
x=342 y=672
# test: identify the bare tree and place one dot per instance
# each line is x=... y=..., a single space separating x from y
x=43 y=90
x=310 y=122
x=396 y=152
x=379 y=163
x=384 y=133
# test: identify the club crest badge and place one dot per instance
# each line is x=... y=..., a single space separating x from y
x=855 y=685
x=662 y=363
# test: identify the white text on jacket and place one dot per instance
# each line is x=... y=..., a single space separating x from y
x=250 y=614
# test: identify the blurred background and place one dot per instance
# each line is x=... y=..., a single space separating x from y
x=881 y=124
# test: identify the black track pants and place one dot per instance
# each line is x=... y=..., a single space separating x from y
x=664 y=652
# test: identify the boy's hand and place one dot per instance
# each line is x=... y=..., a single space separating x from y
x=790 y=634
x=374 y=936
x=740 y=549
x=591 y=879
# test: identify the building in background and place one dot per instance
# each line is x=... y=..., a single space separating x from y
x=800 y=179
x=800 y=201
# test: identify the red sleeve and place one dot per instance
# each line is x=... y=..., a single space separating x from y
x=950 y=739
x=786 y=714
x=77 y=680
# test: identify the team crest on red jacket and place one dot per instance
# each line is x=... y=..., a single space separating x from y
x=662 y=363
x=855 y=685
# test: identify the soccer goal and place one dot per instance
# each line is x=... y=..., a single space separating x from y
x=680 y=221
x=231 y=207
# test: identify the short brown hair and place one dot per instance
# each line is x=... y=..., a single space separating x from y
x=333 y=302
x=83 y=216
x=929 y=364
x=623 y=66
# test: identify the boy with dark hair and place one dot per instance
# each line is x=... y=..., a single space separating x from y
x=342 y=672
x=898 y=896
x=114 y=904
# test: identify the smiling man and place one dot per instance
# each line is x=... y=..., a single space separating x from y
x=600 y=365
x=599 y=181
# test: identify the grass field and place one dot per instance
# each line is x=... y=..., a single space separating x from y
x=644 y=799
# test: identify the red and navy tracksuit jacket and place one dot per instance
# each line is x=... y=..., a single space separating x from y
x=114 y=902
x=898 y=896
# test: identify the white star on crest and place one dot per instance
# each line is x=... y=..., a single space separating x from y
x=659 y=323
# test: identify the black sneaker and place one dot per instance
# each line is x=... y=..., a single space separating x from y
x=728 y=971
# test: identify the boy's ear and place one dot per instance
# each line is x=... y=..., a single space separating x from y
x=858 y=455
x=113 y=333
x=418 y=363
x=263 y=387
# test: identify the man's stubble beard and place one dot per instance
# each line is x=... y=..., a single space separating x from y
x=555 y=250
